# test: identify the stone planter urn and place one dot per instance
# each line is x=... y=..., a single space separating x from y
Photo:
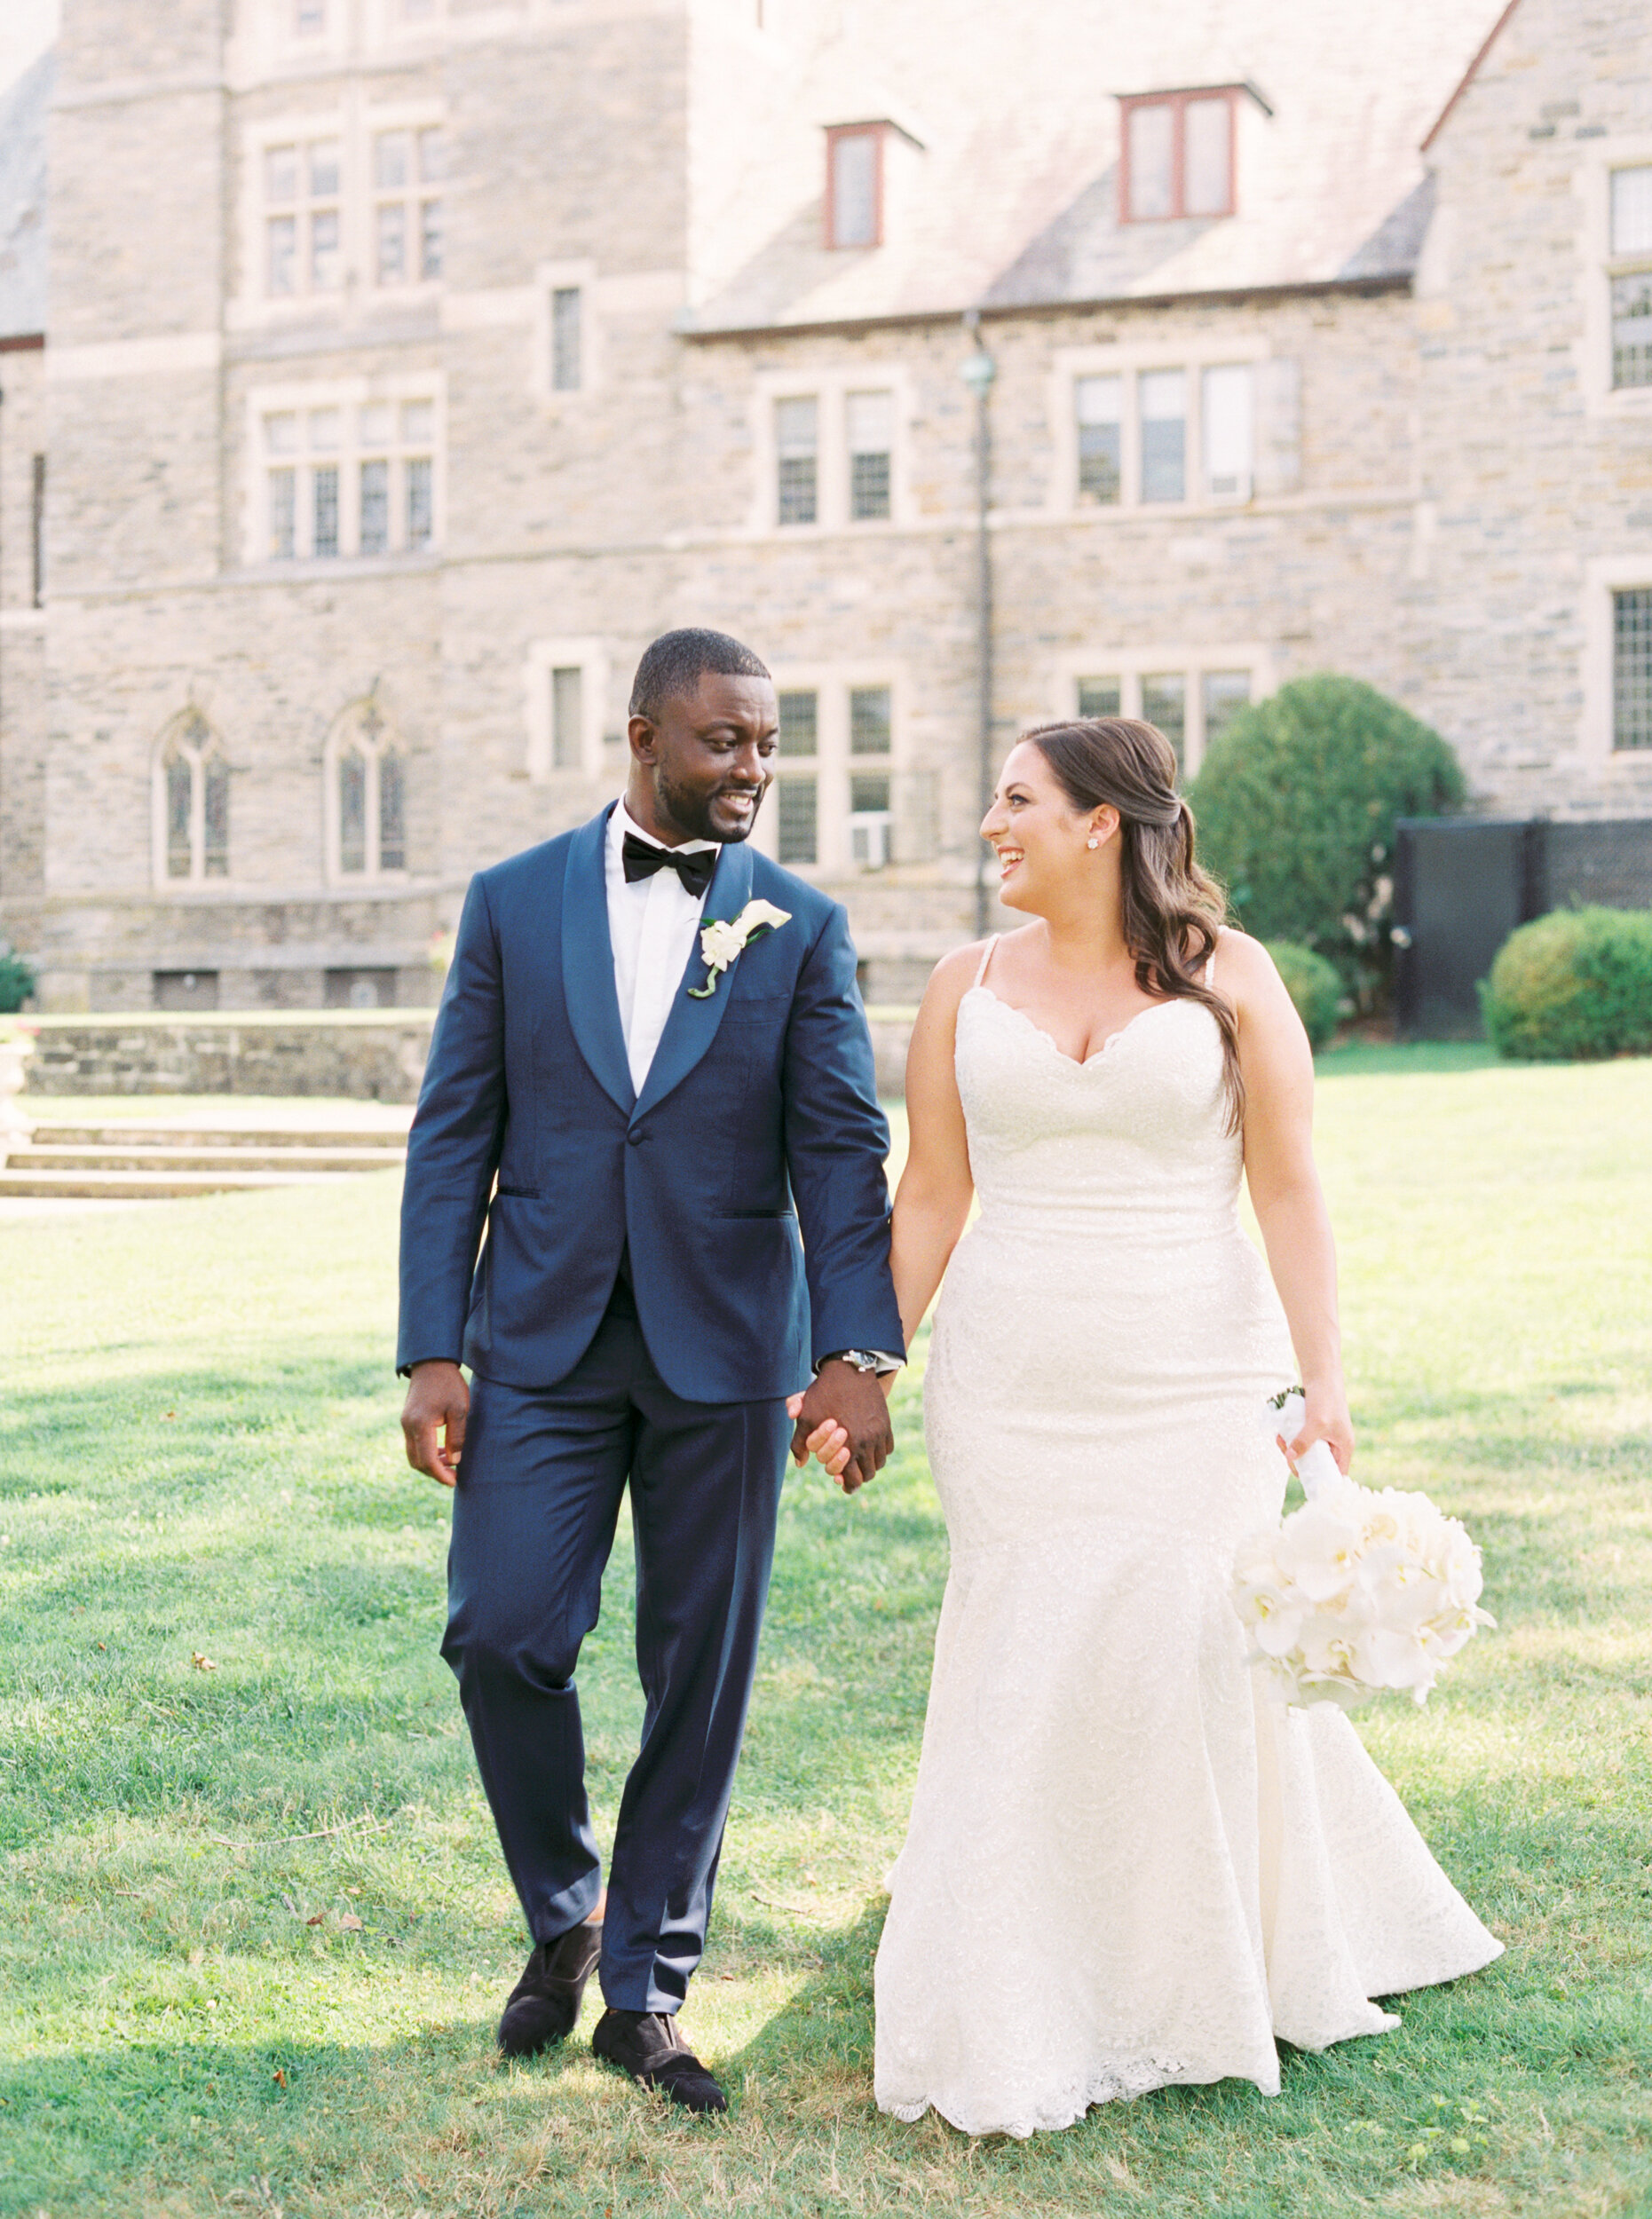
x=16 y=1130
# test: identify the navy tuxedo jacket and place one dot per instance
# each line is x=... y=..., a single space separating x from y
x=748 y=1178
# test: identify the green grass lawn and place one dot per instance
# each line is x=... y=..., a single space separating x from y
x=255 y=1930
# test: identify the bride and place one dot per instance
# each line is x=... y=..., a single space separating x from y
x=1128 y=1867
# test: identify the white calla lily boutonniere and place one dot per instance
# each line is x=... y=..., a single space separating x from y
x=721 y=940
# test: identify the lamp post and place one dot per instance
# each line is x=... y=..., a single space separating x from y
x=978 y=374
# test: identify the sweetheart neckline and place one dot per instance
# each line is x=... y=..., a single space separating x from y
x=1079 y=1063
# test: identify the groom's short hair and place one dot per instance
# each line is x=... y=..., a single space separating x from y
x=676 y=661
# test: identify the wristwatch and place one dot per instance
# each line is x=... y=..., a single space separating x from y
x=875 y=1362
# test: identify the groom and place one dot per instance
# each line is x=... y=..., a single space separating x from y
x=690 y=1216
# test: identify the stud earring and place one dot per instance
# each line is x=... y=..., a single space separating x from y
x=1092 y=842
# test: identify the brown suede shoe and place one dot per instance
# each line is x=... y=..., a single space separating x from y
x=647 y=2045
x=545 y=2002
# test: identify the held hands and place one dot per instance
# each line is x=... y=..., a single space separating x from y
x=433 y=1419
x=843 y=1419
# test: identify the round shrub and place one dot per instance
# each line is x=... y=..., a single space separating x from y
x=1313 y=985
x=1296 y=804
x=1573 y=986
x=16 y=980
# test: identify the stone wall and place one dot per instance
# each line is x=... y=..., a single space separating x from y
x=23 y=719
x=1534 y=477
x=374 y=1059
x=370 y=1057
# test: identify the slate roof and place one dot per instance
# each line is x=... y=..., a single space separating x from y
x=1014 y=200
x=23 y=109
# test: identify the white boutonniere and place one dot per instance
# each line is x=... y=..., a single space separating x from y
x=720 y=941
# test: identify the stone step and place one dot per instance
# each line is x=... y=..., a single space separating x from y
x=215 y=1154
x=391 y=1140
x=146 y=1186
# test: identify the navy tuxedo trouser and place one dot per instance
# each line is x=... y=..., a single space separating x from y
x=538 y=1499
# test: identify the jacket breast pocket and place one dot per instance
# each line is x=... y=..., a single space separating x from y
x=758 y=1009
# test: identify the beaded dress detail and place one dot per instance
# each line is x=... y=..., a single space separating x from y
x=1126 y=1865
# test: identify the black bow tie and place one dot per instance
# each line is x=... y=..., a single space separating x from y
x=694 y=866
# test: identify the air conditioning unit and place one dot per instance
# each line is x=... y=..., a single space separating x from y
x=1235 y=485
x=869 y=839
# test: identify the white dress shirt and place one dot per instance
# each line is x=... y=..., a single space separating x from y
x=653 y=924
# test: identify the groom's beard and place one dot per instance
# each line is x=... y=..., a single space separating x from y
x=692 y=812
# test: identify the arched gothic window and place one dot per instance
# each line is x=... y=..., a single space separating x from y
x=191 y=802
x=367 y=795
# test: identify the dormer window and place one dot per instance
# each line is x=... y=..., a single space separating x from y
x=1177 y=156
x=854 y=199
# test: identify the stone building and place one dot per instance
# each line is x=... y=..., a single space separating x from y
x=399 y=367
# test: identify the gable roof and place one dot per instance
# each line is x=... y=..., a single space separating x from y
x=24 y=108
x=1469 y=74
x=1014 y=201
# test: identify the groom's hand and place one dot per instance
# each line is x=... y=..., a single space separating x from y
x=433 y=1418
x=855 y=1401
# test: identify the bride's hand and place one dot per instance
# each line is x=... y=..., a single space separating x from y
x=828 y=1444
x=1325 y=1418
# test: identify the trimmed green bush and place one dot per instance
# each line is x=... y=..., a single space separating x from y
x=1573 y=987
x=16 y=980
x=1296 y=804
x=1313 y=985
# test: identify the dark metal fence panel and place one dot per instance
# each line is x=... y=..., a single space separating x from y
x=1607 y=864
x=1461 y=885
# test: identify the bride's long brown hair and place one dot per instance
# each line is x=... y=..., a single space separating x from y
x=1173 y=908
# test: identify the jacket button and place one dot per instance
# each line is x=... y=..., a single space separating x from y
x=636 y=1138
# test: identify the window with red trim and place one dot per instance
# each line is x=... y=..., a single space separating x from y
x=854 y=194
x=1176 y=154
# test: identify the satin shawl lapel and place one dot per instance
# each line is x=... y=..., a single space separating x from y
x=692 y=1025
x=588 y=963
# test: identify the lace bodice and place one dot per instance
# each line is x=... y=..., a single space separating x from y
x=1139 y=1128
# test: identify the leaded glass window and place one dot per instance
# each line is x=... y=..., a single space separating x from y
x=1632 y=288
x=368 y=803
x=1226 y=692
x=1165 y=703
x=567 y=339
x=1099 y=697
x=392 y=837
x=1164 y=402
x=1099 y=407
x=799 y=723
x=180 y=793
x=192 y=801
x=353 y=810
x=796 y=439
x=799 y=832
x=871 y=428
x=1632 y=667
x=567 y=717
x=869 y=721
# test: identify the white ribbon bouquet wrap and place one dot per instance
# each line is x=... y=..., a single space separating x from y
x=1356 y=1592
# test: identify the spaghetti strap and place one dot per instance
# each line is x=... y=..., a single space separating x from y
x=1210 y=971
x=985 y=959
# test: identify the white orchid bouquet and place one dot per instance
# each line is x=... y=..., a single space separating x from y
x=1357 y=1592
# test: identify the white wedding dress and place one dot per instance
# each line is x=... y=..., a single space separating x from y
x=1127 y=1866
